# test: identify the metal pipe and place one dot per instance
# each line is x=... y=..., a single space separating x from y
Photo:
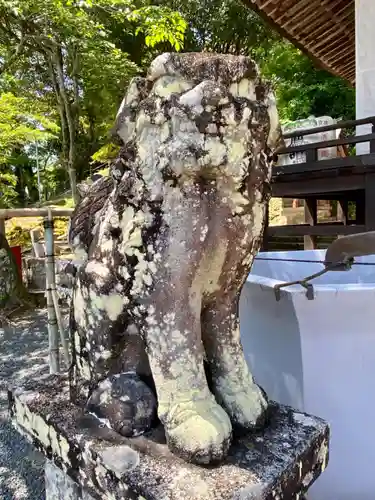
x=51 y=287
x=53 y=334
x=64 y=341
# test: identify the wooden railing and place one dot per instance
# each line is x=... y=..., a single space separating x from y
x=312 y=149
x=343 y=178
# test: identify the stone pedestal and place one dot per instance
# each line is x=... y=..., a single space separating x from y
x=89 y=461
x=59 y=486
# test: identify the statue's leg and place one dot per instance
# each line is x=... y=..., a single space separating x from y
x=197 y=428
x=231 y=378
x=109 y=358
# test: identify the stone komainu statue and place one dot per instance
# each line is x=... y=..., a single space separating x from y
x=168 y=241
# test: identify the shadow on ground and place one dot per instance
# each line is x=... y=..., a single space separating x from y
x=23 y=354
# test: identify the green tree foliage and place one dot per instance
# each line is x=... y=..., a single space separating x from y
x=79 y=69
x=302 y=90
x=65 y=64
x=21 y=124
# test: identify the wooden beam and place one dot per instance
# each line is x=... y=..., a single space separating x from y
x=348 y=54
x=347 y=12
x=335 y=52
x=349 y=64
x=318 y=230
x=35 y=212
x=313 y=38
x=367 y=160
x=300 y=18
x=256 y=6
x=350 y=74
x=340 y=41
x=317 y=36
x=354 y=139
x=300 y=7
x=344 y=6
x=332 y=4
x=284 y=8
x=263 y=5
x=308 y=187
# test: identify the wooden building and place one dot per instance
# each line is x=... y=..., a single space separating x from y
x=339 y=36
x=323 y=29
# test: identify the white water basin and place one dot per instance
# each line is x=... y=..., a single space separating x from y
x=319 y=356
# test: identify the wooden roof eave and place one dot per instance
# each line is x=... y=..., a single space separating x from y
x=307 y=47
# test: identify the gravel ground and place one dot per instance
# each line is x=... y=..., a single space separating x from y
x=23 y=354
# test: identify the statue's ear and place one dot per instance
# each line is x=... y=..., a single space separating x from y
x=279 y=140
x=124 y=126
x=275 y=139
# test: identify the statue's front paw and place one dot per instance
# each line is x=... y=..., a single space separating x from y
x=198 y=431
x=246 y=405
x=125 y=403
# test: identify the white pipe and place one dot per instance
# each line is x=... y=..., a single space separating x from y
x=53 y=335
x=53 y=292
x=64 y=341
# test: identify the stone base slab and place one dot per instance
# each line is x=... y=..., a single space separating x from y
x=279 y=463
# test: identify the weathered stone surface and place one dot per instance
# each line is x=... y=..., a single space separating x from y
x=168 y=241
x=59 y=486
x=279 y=463
x=126 y=401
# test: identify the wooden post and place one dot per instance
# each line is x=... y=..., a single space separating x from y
x=311 y=155
x=35 y=212
x=360 y=204
x=311 y=217
x=265 y=240
x=311 y=210
x=370 y=202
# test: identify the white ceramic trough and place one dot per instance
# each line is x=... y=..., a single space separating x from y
x=319 y=356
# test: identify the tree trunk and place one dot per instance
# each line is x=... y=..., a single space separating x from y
x=71 y=122
x=68 y=124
